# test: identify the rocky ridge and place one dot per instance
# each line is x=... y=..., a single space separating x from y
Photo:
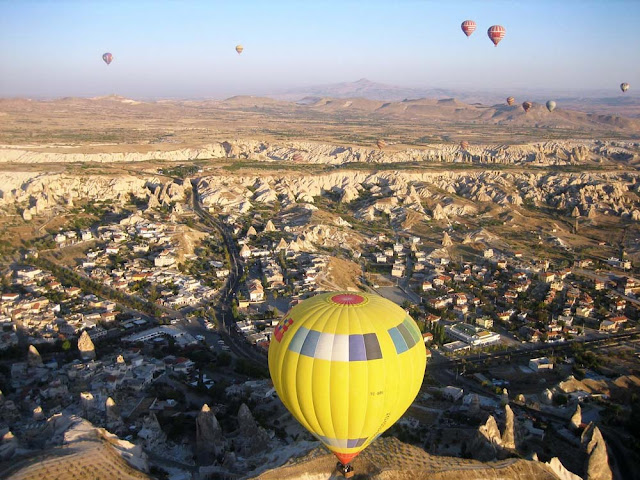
x=535 y=153
x=77 y=449
x=609 y=193
x=405 y=196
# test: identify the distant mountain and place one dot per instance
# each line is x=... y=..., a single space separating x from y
x=590 y=101
x=362 y=88
x=445 y=111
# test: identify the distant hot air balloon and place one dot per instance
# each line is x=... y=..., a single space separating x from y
x=239 y=49
x=511 y=101
x=624 y=86
x=107 y=57
x=496 y=33
x=468 y=27
x=297 y=158
x=551 y=105
x=381 y=144
x=347 y=366
x=464 y=145
x=526 y=106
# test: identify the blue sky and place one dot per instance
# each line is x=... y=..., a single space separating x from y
x=186 y=48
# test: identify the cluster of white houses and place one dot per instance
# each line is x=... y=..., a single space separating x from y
x=42 y=320
x=175 y=289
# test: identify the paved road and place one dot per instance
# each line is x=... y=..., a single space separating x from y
x=532 y=349
x=234 y=339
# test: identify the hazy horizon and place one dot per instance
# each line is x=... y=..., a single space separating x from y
x=295 y=89
x=186 y=49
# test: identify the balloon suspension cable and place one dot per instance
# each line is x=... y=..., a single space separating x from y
x=347 y=470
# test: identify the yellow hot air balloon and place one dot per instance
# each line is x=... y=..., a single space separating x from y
x=239 y=49
x=347 y=366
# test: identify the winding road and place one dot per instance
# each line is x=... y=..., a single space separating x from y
x=237 y=343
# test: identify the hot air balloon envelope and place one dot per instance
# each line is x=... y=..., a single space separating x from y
x=526 y=106
x=468 y=27
x=464 y=145
x=107 y=57
x=239 y=49
x=551 y=105
x=347 y=366
x=496 y=33
x=511 y=101
x=624 y=86
x=381 y=144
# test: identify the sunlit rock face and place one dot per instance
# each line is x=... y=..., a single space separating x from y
x=85 y=346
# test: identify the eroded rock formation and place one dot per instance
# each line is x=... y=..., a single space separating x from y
x=251 y=436
x=576 y=418
x=597 y=463
x=33 y=357
x=85 y=346
x=209 y=438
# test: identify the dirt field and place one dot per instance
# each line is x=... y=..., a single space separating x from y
x=343 y=274
x=114 y=124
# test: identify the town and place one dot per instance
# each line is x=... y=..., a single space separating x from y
x=147 y=314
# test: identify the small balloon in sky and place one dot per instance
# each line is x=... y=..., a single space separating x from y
x=511 y=101
x=624 y=86
x=526 y=106
x=107 y=58
x=496 y=33
x=468 y=27
x=239 y=49
x=551 y=105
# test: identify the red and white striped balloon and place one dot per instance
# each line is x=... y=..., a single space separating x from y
x=468 y=27
x=496 y=33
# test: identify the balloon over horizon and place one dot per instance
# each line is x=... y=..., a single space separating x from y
x=239 y=49
x=511 y=101
x=624 y=86
x=526 y=106
x=468 y=27
x=347 y=366
x=551 y=105
x=496 y=33
x=107 y=58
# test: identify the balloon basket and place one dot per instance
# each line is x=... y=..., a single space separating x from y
x=347 y=470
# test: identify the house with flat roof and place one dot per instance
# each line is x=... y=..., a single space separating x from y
x=472 y=335
x=540 y=364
